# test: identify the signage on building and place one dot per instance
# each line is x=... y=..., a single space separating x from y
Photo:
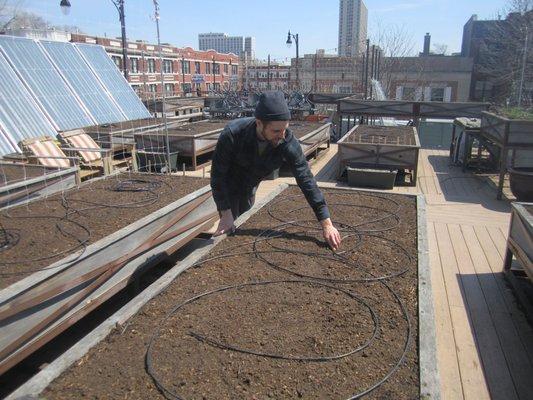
x=197 y=78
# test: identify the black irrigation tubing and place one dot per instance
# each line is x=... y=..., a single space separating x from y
x=126 y=185
x=169 y=394
x=309 y=280
x=8 y=238
x=213 y=342
x=347 y=228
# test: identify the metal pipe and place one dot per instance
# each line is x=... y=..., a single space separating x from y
x=163 y=105
x=366 y=66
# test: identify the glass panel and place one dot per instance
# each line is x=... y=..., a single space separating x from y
x=20 y=117
x=45 y=83
x=113 y=81
x=81 y=78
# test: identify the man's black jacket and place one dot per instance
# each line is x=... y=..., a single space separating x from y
x=238 y=168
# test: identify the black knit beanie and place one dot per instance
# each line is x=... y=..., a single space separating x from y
x=272 y=107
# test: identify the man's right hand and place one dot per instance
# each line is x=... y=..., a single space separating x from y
x=226 y=223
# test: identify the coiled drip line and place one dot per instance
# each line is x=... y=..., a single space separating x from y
x=272 y=245
x=72 y=205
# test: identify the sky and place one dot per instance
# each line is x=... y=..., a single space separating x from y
x=315 y=21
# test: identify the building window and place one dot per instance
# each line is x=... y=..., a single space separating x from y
x=409 y=93
x=196 y=67
x=207 y=68
x=225 y=68
x=185 y=67
x=262 y=74
x=169 y=88
x=138 y=89
x=437 y=94
x=216 y=69
x=134 y=65
x=151 y=66
x=186 y=87
x=167 y=66
x=152 y=88
x=118 y=61
x=216 y=86
x=345 y=89
x=234 y=70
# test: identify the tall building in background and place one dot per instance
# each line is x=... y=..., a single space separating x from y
x=249 y=47
x=353 y=19
x=223 y=43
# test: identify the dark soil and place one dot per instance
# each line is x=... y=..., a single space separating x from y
x=198 y=127
x=310 y=318
x=11 y=173
x=46 y=231
x=120 y=126
x=400 y=135
x=302 y=128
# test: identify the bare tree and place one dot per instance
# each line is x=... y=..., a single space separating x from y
x=13 y=17
x=397 y=62
x=440 y=48
x=505 y=57
x=8 y=13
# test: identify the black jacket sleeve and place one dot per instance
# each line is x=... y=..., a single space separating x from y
x=219 y=170
x=305 y=179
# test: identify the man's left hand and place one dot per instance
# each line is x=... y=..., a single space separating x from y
x=331 y=234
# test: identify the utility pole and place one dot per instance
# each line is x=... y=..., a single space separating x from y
x=268 y=73
x=315 y=88
x=366 y=66
x=163 y=105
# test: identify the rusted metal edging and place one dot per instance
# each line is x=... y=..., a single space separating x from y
x=38 y=187
x=39 y=382
x=103 y=243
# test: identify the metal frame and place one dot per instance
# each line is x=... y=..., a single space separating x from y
x=49 y=301
x=383 y=155
x=499 y=131
x=23 y=191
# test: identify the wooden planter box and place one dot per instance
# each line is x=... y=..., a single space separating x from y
x=122 y=133
x=314 y=139
x=186 y=145
x=513 y=137
x=520 y=240
x=39 y=307
x=426 y=341
x=51 y=181
x=363 y=150
x=375 y=178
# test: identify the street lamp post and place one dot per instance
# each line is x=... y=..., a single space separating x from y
x=119 y=4
x=290 y=36
x=163 y=94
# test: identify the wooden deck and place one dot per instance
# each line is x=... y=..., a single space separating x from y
x=484 y=343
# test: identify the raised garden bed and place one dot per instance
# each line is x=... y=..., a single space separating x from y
x=311 y=135
x=377 y=147
x=23 y=182
x=121 y=133
x=189 y=141
x=514 y=138
x=321 y=325
x=67 y=254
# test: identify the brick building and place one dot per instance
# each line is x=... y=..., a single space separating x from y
x=256 y=76
x=186 y=72
x=325 y=73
